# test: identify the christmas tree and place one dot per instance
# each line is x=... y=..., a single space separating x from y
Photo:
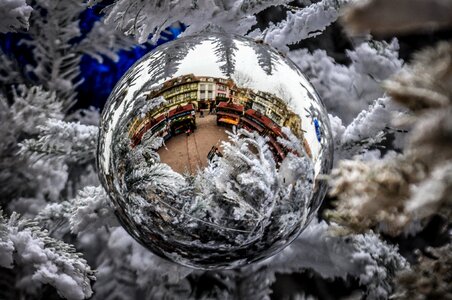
x=383 y=230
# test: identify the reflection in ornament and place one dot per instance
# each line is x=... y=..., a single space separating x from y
x=207 y=152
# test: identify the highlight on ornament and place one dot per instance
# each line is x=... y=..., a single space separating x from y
x=211 y=147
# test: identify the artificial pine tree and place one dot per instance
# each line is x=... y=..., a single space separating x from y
x=60 y=238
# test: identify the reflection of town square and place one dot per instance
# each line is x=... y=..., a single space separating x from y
x=196 y=111
x=189 y=152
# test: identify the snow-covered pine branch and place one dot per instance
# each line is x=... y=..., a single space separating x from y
x=88 y=211
x=397 y=193
x=125 y=269
x=369 y=128
x=303 y=23
x=363 y=256
x=54 y=31
x=128 y=270
x=9 y=70
x=53 y=25
x=104 y=41
x=348 y=90
x=85 y=116
x=71 y=142
x=47 y=260
x=369 y=122
x=14 y=15
x=142 y=18
x=31 y=107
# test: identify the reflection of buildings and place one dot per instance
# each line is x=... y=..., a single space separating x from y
x=229 y=113
x=213 y=90
x=255 y=120
x=190 y=88
x=177 y=120
x=181 y=118
x=153 y=124
x=252 y=120
x=254 y=110
x=274 y=107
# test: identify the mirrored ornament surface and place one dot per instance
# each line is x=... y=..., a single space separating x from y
x=210 y=149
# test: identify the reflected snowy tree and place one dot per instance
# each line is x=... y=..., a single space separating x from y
x=266 y=58
x=242 y=80
x=118 y=95
x=247 y=185
x=225 y=51
x=282 y=92
x=240 y=200
x=166 y=61
x=143 y=105
x=241 y=183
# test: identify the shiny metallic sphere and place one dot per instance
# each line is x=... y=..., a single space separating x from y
x=210 y=149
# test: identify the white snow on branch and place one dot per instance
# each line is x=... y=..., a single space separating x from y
x=347 y=90
x=303 y=23
x=128 y=266
x=363 y=256
x=143 y=18
x=72 y=142
x=91 y=210
x=87 y=212
x=33 y=106
x=337 y=130
x=54 y=24
x=369 y=123
x=58 y=46
x=53 y=262
x=104 y=40
x=14 y=15
x=370 y=128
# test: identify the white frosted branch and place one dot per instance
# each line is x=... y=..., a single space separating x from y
x=369 y=122
x=14 y=15
x=52 y=261
x=72 y=142
x=303 y=23
x=104 y=40
x=87 y=212
x=144 y=18
x=91 y=210
x=348 y=90
x=363 y=256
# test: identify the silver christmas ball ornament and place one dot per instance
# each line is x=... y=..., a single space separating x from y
x=211 y=147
